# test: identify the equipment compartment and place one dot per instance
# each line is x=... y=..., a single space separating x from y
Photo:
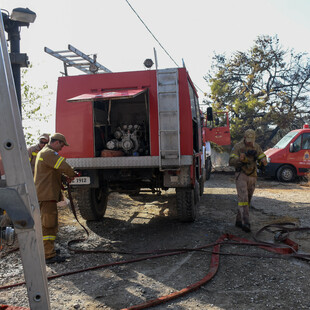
x=122 y=125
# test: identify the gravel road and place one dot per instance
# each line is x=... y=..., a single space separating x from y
x=253 y=279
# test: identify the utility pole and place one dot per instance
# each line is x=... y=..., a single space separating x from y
x=18 y=195
x=20 y=17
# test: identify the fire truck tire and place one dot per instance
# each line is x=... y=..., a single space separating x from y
x=201 y=185
x=286 y=173
x=134 y=193
x=186 y=206
x=92 y=202
x=208 y=168
x=197 y=192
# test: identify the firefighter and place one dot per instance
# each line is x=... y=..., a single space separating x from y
x=34 y=149
x=32 y=152
x=244 y=157
x=50 y=167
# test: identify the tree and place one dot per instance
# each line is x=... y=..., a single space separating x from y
x=34 y=112
x=265 y=88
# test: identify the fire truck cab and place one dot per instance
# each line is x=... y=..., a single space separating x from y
x=290 y=157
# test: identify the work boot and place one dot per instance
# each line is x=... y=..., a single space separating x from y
x=55 y=259
x=238 y=224
x=246 y=227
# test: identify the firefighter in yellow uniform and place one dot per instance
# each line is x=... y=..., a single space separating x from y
x=35 y=149
x=244 y=157
x=49 y=168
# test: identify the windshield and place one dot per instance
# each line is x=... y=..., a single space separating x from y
x=285 y=140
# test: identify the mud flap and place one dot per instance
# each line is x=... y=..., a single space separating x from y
x=179 y=178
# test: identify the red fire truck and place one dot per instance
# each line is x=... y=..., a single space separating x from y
x=290 y=157
x=130 y=131
x=216 y=128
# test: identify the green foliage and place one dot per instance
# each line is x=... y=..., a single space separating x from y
x=34 y=108
x=217 y=148
x=265 y=88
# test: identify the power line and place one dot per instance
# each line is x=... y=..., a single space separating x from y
x=148 y=29
x=151 y=33
x=199 y=89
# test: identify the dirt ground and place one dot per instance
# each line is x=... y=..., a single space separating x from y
x=146 y=223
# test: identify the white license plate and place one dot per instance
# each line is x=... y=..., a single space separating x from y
x=80 y=181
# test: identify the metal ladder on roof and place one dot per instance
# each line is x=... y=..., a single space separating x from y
x=168 y=119
x=18 y=195
x=75 y=58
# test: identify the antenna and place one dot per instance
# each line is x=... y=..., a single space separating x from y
x=155 y=57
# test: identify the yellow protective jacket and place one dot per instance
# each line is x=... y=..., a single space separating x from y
x=249 y=165
x=33 y=152
x=49 y=168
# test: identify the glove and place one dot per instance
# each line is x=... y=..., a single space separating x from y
x=251 y=153
x=243 y=158
x=69 y=180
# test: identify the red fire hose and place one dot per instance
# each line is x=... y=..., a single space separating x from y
x=289 y=249
x=214 y=264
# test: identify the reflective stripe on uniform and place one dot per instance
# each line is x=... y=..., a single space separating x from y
x=33 y=154
x=243 y=203
x=59 y=161
x=261 y=156
x=50 y=237
x=234 y=156
x=39 y=157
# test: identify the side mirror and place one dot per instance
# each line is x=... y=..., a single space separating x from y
x=292 y=149
x=209 y=114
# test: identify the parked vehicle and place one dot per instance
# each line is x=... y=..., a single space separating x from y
x=216 y=127
x=290 y=157
x=130 y=131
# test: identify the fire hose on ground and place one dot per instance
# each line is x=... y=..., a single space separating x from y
x=286 y=249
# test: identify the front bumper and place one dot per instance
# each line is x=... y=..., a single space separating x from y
x=271 y=169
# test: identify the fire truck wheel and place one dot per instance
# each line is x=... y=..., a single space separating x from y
x=201 y=185
x=134 y=193
x=92 y=202
x=197 y=192
x=186 y=206
x=208 y=168
x=286 y=173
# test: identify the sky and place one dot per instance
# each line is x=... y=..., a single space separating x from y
x=189 y=30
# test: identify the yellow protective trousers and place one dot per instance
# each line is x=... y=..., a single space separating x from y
x=49 y=220
x=245 y=186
